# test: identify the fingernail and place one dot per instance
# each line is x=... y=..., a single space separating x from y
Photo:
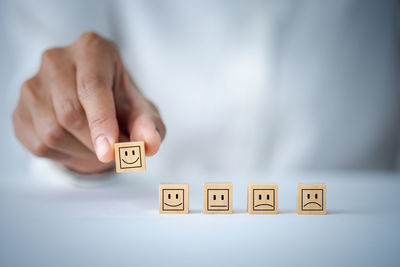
x=103 y=146
x=157 y=131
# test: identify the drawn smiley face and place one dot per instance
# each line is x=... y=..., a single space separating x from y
x=173 y=200
x=312 y=199
x=263 y=199
x=130 y=156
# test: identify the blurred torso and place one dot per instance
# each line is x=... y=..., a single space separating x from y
x=265 y=85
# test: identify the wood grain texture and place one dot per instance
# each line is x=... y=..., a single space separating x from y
x=217 y=197
x=311 y=199
x=173 y=198
x=130 y=157
x=262 y=198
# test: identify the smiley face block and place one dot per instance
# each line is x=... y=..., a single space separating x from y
x=173 y=198
x=217 y=198
x=130 y=156
x=311 y=199
x=262 y=198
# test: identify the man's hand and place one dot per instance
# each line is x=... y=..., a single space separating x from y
x=82 y=101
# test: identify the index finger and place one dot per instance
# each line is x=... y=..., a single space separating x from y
x=95 y=74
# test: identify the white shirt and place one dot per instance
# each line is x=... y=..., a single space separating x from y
x=244 y=85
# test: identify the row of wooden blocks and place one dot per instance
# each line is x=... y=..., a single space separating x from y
x=261 y=198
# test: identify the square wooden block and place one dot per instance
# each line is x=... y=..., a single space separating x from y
x=311 y=199
x=130 y=157
x=173 y=198
x=217 y=198
x=262 y=198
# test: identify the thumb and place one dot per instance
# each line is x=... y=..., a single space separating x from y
x=144 y=122
x=146 y=125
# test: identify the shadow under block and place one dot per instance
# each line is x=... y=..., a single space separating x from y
x=217 y=198
x=311 y=199
x=262 y=198
x=130 y=157
x=173 y=198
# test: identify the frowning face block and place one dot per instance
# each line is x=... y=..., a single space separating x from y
x=311 y=199
x=262 y=198
x=130 y=156
x=217 y=198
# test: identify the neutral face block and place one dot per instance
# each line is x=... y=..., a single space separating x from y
x=311 y=199
x=262 y=198
x=217 y=198
x=173 y=198
x=130 y=157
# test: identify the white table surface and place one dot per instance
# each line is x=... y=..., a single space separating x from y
x=48 y=219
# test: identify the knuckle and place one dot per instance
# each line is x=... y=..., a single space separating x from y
x=41 y=150
x=88 y=38
x=53 y=135
x=28 y=90
x=98 y=122
x=137 y=115
x=50 y=57
x=88 y=84
x=15 y=117
x=16 y=121
x=91 y=40
x=70 y=115
x=89 y=35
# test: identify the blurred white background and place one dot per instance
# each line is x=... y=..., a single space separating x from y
x=247 y=89
x=242 y=86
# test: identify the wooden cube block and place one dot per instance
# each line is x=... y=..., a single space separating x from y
x=311 y=199
x=262 y=198
x=173 y=198
x=217 y=198
x=130 y=156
